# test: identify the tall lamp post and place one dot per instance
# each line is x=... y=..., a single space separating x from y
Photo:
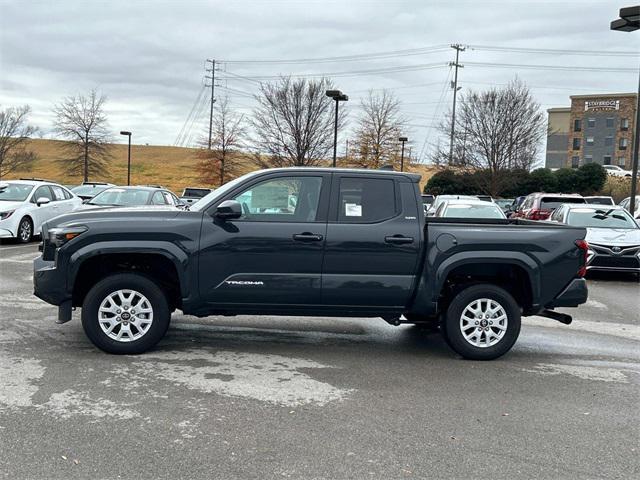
x=629 y=21
x=128 y=134
x=338 y=96
x=403 y=140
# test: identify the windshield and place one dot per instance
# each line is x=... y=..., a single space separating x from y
x=14 y=192
x=122 y=197
x=89 y=189
x=207 y=199
x=473 y=211
x=195 y=192
x=551 y=203
x=601 y=218
x=600 y=200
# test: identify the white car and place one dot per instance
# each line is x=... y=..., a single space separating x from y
x=469 y=208
x=616 y=171
x=443 y=198
x=26 y=204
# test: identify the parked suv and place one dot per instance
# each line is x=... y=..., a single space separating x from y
x=540 y=206
x=26 y=204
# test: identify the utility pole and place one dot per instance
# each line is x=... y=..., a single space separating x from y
x=458 y=48
x=213 y=98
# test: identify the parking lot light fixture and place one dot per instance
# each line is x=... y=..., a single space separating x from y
x=128 y=134
x=338 y=96
x=629 y=21
x=403 y=140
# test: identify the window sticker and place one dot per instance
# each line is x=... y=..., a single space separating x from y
x=352 y=210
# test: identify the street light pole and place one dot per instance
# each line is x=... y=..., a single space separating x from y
x=402 y=140
x=128 y=134
x=629 y=21
x=338 y=96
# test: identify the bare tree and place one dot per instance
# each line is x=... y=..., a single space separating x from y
x=496 y=130
x=378 y=130
x=293 y=123
x=229 y=132
x=82 y=121
x=14 y=134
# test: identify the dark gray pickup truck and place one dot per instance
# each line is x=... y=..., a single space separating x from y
x=309 y=241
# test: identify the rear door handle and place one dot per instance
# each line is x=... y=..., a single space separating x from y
x=307 y=237
x=398 y=239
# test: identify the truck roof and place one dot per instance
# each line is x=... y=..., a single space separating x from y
x=414 y=177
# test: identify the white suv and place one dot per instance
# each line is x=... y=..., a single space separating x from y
x=26 y=204
x=616 y=171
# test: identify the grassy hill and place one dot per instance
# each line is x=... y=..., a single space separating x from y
x=172 y=167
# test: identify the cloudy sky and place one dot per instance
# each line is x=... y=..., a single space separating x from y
x=149 y=57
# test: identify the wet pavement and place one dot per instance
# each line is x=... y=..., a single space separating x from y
x=274 y=397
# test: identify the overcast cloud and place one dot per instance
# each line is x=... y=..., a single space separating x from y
x=149 y=57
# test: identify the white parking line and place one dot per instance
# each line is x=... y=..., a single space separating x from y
x=30 y=245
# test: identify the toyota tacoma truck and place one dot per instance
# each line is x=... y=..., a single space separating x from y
x=315 y=242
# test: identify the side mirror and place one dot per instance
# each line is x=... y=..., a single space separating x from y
x=42 y=201
x=228 y=210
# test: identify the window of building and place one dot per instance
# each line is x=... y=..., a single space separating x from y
x=608 y=141
x=624 y=124
x=576 y=143
x=589 y=140
x=575 y=161
x=588 y=159
x=621 y=161
x=577 y=125
x=591 y=122
x=366 y=200
x=624 y=143
x=606 y=160
x=609 y=122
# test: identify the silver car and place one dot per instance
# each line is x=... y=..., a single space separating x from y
x=612 y=234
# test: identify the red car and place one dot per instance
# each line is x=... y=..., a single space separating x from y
x=540 y=206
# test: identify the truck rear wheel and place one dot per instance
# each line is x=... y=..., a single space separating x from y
x=482 y=322
x=125 y=314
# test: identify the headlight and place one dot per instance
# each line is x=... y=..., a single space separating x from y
x=4 y=215
x=60 y=236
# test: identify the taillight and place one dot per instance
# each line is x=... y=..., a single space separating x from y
x=536 y=214
x=584 y=246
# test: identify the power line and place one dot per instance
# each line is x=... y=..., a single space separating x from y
x=555 y=51
x=552 y=67
x=181 y=133
x=349 y=58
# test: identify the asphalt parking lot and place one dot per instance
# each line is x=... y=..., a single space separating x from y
x=308 y=398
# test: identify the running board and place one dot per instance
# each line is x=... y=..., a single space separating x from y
x=560 y=317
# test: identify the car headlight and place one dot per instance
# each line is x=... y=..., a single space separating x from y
x=62 y=235
x=5 y=215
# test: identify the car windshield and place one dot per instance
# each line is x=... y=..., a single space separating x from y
x=601 y=218
x=600 y=200
x=122 y=197
x=195 y=192
x=473 y=211
x=89 y=189
x=14 y=192
x=551 y=203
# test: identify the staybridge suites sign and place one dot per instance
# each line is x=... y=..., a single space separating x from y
x=602 y=105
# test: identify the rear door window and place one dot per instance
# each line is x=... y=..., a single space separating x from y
x=58 y=193
x=366 y=200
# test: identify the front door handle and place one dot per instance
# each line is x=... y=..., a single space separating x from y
x=307 y=237
x=398 y=239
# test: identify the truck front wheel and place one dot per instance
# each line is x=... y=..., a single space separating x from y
x=482 y=322
x=125 y=314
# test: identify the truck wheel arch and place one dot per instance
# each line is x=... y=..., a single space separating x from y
x=160 y=266
x=497 y=270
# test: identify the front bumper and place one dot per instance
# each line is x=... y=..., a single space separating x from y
x=49 y=283
x=4 y=233
x=614 y=258
x=574 y=294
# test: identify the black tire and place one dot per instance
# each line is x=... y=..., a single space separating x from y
x=25 y=230
x=452 y=323
x=125 y=281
